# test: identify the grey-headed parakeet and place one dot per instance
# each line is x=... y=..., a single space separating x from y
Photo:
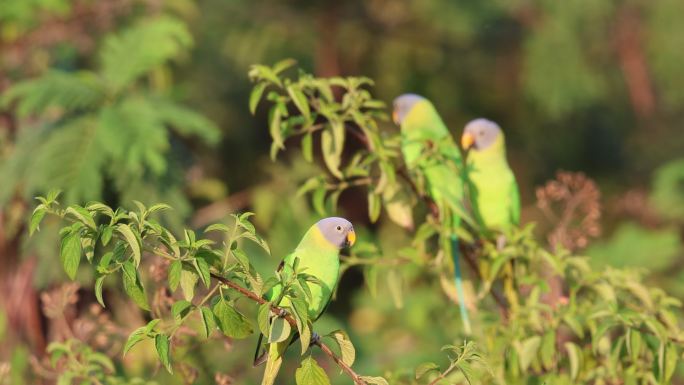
x=318 y=255
x=427 y=147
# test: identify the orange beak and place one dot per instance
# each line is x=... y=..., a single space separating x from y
x=351 y=238
x=467 y=140
x=395 y=117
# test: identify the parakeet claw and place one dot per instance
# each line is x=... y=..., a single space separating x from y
x=315 y=339
x=282 y=313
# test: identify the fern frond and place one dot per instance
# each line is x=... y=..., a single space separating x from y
x=69 y=91
x=134 y=136
x=187 y=122
x=134 y=52
x=70 y=159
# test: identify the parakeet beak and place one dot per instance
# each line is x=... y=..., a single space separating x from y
x=395 y=117
x=467 y=140
x=351 y=238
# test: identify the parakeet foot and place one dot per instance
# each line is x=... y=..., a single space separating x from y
x=501 y=242
x=282 y=313
x=315 y=339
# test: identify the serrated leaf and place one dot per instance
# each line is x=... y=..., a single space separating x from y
x=255 y=96
x=263 y=317
x=36 y=217
x=425 y=368
x=188 y=281
x=138 y=335
x=175 y=274
x=70 y=253
x=82 y=215
x=331 y=155
x=161 y=344
x=106 y=236
x=309 y=373
x=346 y=347
x=279 y=330
x=231 y=322
x=208 y=321
x=133 y=286
x=548 y=349
x=132 y=241
x=217 y=227
x=203 y=270
x=180 y=309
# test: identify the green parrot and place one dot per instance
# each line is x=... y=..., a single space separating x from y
x=318 y=253
x=428 y=147
x=493 y=190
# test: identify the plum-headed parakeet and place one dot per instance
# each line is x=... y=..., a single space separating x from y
x=491 y=183
x=318 y=254
x=429 y=149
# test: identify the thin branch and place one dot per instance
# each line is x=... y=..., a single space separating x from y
x=470 y=258
x=287 y=317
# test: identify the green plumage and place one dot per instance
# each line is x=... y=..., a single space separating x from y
x=427 y=146
x=492 y=186
x=429 y=149
x=318 y=257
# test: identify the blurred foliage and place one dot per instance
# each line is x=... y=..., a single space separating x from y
x=585 y=85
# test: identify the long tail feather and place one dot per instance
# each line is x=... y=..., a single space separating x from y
x=459 y=284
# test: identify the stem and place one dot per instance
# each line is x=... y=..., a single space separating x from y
x=278 y=311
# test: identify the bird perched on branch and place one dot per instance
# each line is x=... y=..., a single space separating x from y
x=491 y=183
x=317 y=255
x=429 y=149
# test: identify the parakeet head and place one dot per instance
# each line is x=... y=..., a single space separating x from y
x=402 y=105
x=480 y=134
x=337 y=231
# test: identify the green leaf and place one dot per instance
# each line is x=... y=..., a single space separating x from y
x=82 y=215
x=307 y=147
x=106 y=236
x=180 y=309
x=36 y=218
x=188 y=281
x=346 y=347
x=395 y=284
x=263 y=317
x=374 y=380
x=255 y=96
x=138 y=335
x=161 y=344
x=217 y=227
x=208 y=321
x=575 y=357
x=548 y=349
x=374 y=205
x=203 y=269
x=425 y=368
x=331 y=155
x=300 y=101
x=309 y=373
x=279 y=331
x=283 y=65
x=133 y=286
x=70 y=253
x=670 y=363
x=634 y=344
x=231 y=322
x=527 y=351
x=132 y=241
x=175 y=274
x=98 y=289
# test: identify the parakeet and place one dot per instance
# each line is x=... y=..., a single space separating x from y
x=318 y=255
x=427 y=147
x=493 y=190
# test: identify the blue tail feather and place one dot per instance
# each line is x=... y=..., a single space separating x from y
x=459 y=284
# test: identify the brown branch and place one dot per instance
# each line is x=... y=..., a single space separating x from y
x=280 y=312
x=470 y=258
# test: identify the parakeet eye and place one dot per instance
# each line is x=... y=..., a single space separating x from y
x=338 y=228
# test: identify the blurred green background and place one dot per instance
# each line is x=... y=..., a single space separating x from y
x=586 y=85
